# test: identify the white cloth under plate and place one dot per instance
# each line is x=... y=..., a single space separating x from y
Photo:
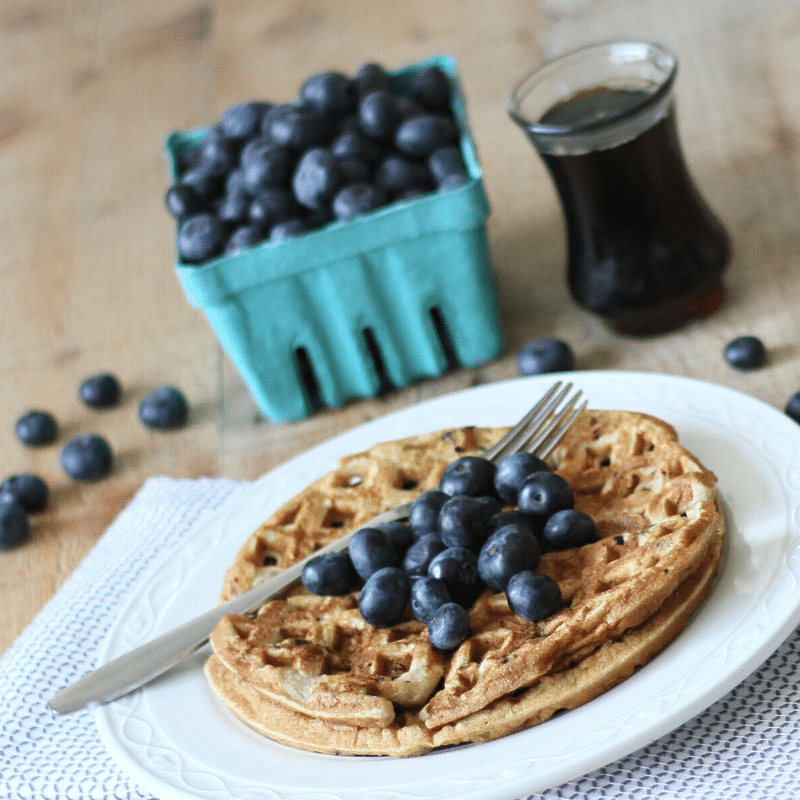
x=746 y=746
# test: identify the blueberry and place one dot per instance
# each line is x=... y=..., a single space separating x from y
x=234 y=182
x=472 y=475
x=450 y=182
x=355 y=145
x=87 y=457
x=793 y=407
x=371 y=549
x=206 y=184
x=219 y=154
x=398 y=176
x=424 y=514
x=36 y=428
x=370 y=77
x=272 y=206
x=544 y=493
x=272 y=115
x=15 y=527
x=419 y=555
x=506 y=552
x=234 y=208
x=200 y=238
x=569 y=528
x=430 y=88
x=445 y=162
x=243 y=238
x=265 y=165
x=533 y=596
x=513 y=471
x=513 y=516
x=545 y=355
x=464 y=520
x=330 y=574
x=428 y=595
x=164 y=408
x=457 y=567
x=354 y=171
x=299 y=130
x=287 y=229
x=243 y=120
x=399 y=535
x=183 y=201
x=356 y=199
x=30 y=491
x=379 y=114
x=422 y=136
x=384 y=597
x=100 y=391
x=746 y=352
x=329 y=93
x=317 y=178
x=449 y=627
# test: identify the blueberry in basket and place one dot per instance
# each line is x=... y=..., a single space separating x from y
x=346 y=146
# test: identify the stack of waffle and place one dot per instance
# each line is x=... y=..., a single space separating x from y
x=308 y=671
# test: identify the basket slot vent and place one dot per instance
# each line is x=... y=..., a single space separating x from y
x=445 y=339
x=308 y=380
x=384 y=381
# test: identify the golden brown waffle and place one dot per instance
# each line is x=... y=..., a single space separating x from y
x=308 y=671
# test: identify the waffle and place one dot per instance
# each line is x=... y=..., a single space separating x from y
x=309 y=672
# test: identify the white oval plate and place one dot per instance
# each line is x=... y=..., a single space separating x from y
x=180 y=743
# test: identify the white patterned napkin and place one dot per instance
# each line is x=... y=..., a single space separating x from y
x=745 y=747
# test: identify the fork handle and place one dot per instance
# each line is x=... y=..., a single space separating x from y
x=139 y=666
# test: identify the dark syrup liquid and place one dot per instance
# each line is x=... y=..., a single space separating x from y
x=645 y=252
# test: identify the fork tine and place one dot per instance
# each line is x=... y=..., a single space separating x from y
x=543 y=427
x=508 y=443
x=555 y=431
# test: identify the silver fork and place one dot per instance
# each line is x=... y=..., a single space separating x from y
x=538 y=432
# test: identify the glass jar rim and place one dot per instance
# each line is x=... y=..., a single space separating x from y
x=543 y=71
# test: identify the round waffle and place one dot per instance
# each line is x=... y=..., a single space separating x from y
x=308 y=671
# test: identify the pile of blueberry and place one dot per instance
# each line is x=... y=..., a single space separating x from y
x=85 y=457
x=485 y=526
x=346 y=146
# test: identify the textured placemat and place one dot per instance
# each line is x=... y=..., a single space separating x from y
x=745 y=746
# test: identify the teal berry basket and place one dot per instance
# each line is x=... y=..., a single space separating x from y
x=352 y=309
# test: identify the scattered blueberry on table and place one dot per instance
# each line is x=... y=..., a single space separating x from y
x=29 y=490
x=745 y=353
x=164 y=408
x=545 y=355
x=15 y=526
x=87 y=457
x=100 y=391
x=792 y=408
x=36 y=428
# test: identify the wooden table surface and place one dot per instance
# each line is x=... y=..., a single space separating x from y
x=88 y=92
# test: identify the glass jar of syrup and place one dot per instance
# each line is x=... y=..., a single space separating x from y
x=644 y=250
